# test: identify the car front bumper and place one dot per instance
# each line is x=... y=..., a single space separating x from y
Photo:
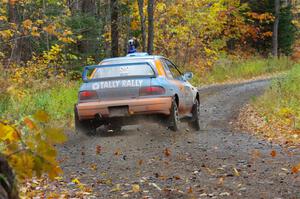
x=90 y=110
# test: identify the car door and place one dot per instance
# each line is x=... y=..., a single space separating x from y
x=174 y=74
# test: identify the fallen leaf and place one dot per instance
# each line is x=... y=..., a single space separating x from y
x=94 y=167
x=29 y=123
x=273 y=153
x=190 y=190
x=140 y=162
x=296 y=169
x=225 y=194
x=75 y=181
x=118 y=152
x=256 y=154
x=155 y=185
x=221 y=181
x=135 y=188
x=167 y=152
x=98 y=149
x=236 y=172
x=117 y=188
x=284 y=169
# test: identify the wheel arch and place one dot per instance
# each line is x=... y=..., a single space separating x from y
x=198 y=97
x=176 y=99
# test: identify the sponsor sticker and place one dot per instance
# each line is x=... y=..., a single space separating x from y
x=117 y=84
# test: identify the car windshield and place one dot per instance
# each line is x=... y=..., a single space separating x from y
x=125 y=70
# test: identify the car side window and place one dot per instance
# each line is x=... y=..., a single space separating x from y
x=167 y=69
x=172 y=68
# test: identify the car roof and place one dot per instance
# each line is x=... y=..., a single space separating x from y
x=132 y=58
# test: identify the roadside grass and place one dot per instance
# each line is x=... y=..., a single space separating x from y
x=276 y=114
x=58 y=101
x=282 y=100
x=58 y=98
x=236 y=70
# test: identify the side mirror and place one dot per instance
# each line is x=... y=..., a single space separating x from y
x=188 y=75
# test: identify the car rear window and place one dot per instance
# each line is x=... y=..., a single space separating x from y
x=123 y=71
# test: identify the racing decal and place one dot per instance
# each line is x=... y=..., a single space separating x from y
x=117 y=84
x=160 y=68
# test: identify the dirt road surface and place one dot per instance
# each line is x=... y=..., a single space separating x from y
x=148 y=161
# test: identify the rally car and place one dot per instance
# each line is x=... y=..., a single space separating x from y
x=119 y=91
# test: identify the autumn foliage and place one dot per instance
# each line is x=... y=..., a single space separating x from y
x=44 y=44
x=29 y=146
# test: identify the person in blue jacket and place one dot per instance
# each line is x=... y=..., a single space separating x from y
x=131 y=46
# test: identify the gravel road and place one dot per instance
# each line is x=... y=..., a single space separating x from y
x=148 y=161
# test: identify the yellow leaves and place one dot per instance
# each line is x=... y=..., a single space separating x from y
x=75 y=181
x=160 y=6
x=30 y=150
x=90 y=60
x=34 y=32
x=267 y=34
x=41 y=116
x=236 y=172
x=135 y=188
x=286 y=112
x=118 y=152
x=268 y=17
x=82 y=186
x=134 y=25
x=54 y=172
x=3 y=18
x=53 y=53
x=39 y=22
x=50 y=29
x=67 y=40
x=23 y=164
x=7 y=133
x=79 y=37
x=116 y=188
x=55 y=135
x=27 y=24
x=67 y=33
x=6 y=34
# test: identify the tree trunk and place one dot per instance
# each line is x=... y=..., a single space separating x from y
x=89 y=6
x=150 y=26
x=15 y=54
x=87 y=46
x=143 y=25
x=8 y=188
x=114 y=28
x=12 y=12
x=275 y=29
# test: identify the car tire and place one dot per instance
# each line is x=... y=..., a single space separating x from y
x=195 y=123
x=174 y=117
x=83 y=126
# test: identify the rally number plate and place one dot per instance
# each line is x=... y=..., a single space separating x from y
x=119 y=111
